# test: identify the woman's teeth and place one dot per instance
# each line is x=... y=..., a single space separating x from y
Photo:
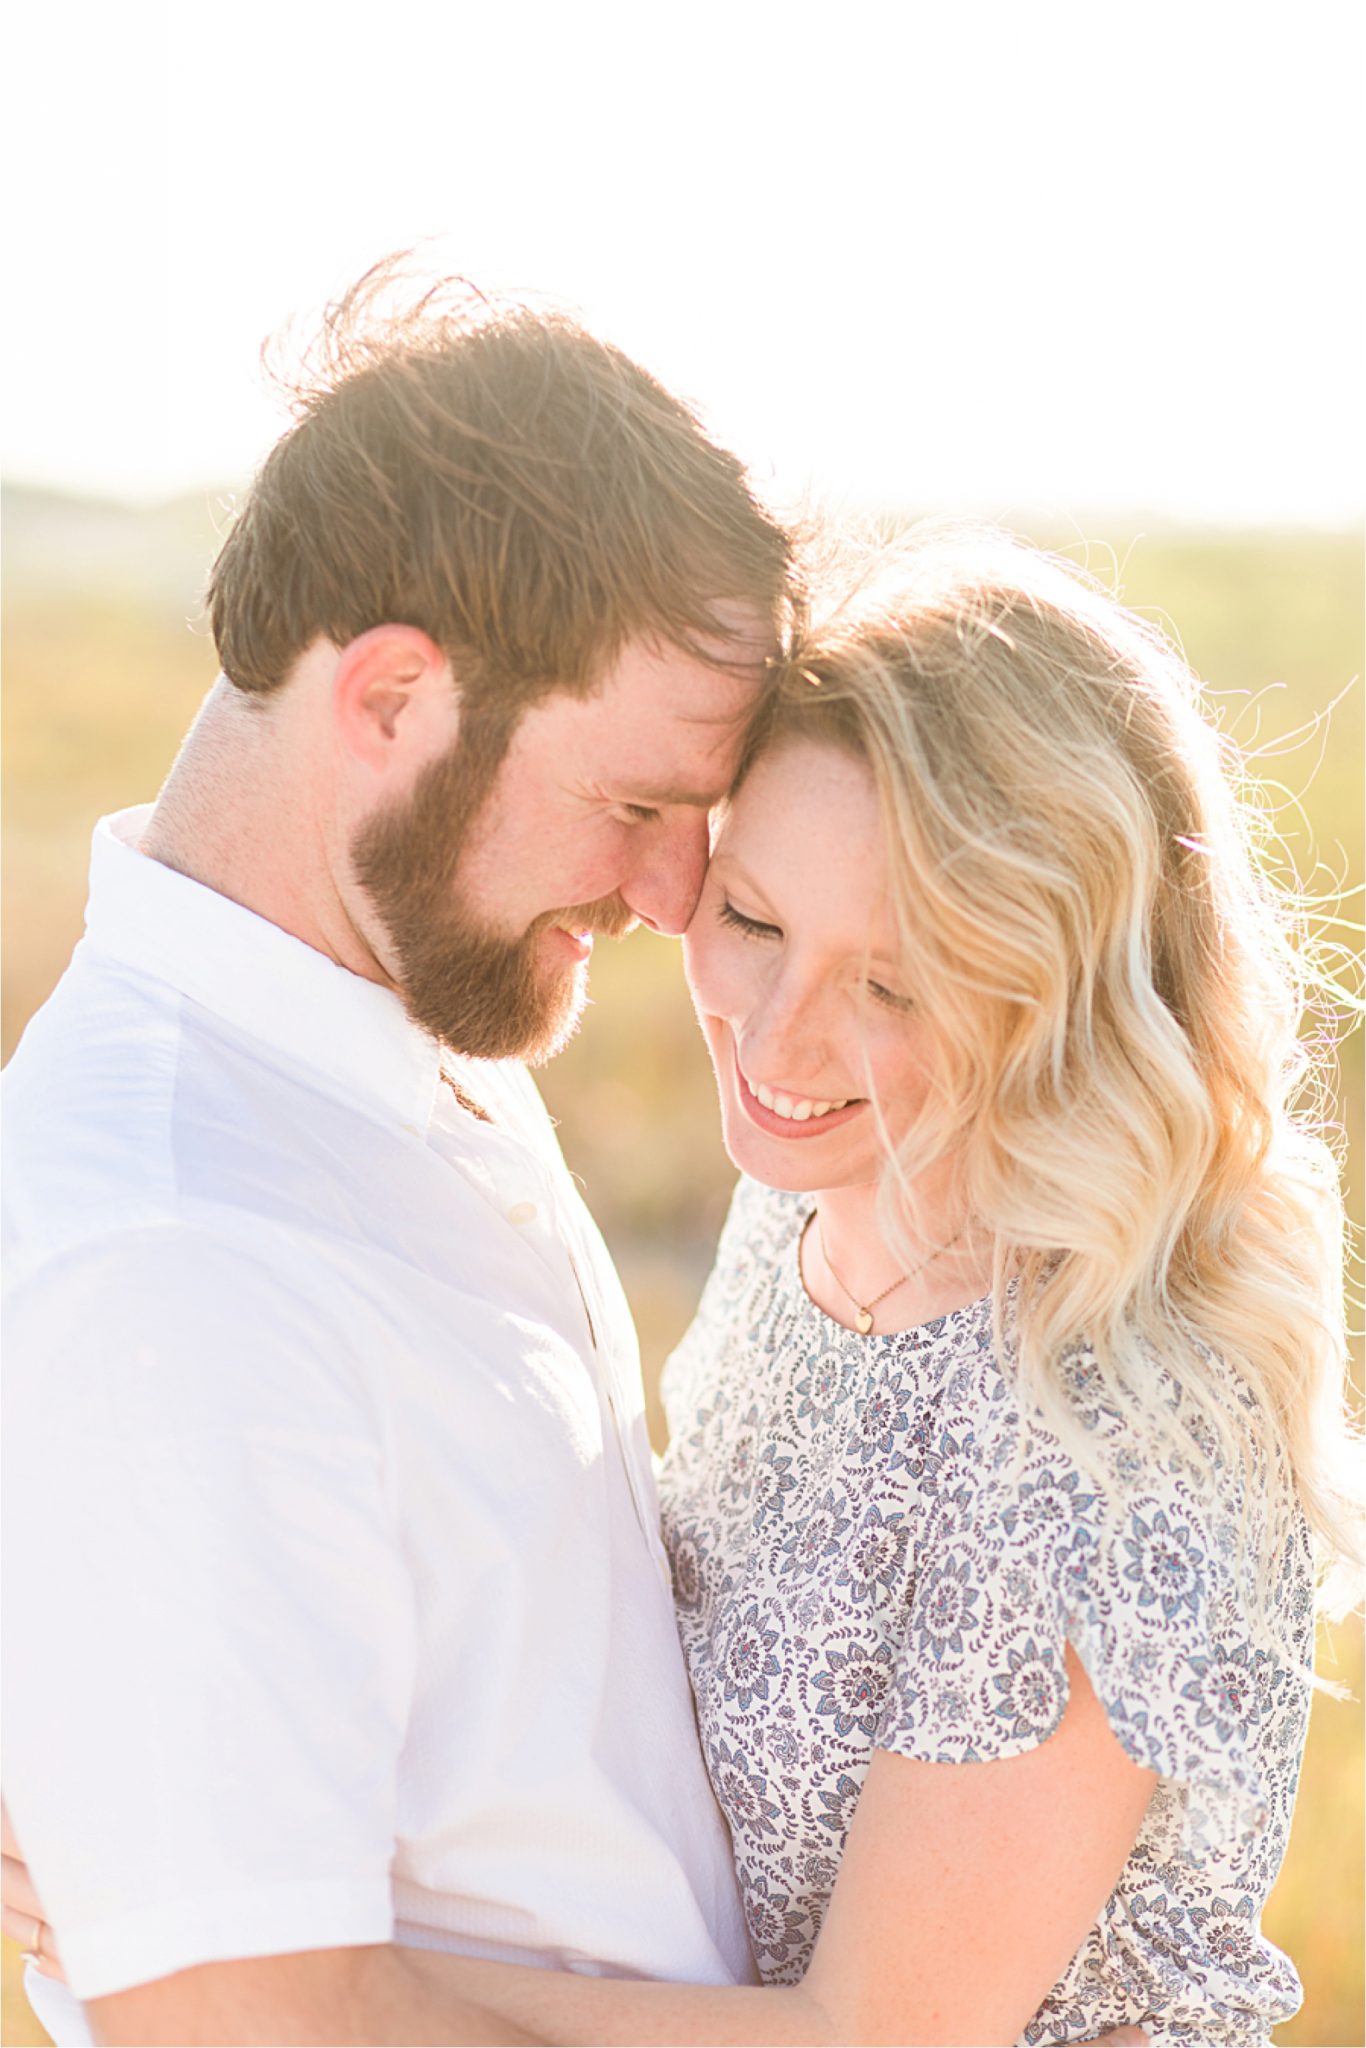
x=798 y=1107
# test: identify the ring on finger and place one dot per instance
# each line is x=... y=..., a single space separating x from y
x=37 y=1941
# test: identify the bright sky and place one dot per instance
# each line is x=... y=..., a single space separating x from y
x=936 y=253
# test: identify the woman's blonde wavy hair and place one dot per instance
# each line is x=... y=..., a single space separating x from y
x=1116 y=988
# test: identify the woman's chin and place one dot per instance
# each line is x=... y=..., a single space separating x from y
x=767 y=1160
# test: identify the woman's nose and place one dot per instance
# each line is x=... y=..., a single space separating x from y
x=786 y=1036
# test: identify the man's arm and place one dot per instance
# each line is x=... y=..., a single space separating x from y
x=341 y=1996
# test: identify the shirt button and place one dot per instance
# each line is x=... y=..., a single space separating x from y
x=522 y=1212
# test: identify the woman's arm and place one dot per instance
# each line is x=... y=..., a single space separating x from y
x=965 y=1891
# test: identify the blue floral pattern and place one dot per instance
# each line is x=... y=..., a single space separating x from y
x=873 y=1550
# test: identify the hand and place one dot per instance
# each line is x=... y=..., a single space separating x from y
x=21 y=1912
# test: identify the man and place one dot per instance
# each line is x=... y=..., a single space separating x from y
x=339 y=1622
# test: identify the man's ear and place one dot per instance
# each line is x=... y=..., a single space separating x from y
x=393 y=699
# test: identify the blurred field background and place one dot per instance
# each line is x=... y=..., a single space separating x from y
x=106 y=659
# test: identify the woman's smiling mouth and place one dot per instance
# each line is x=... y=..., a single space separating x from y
x=784 y=1115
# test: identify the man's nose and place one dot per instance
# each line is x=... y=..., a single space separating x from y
x=666 y=879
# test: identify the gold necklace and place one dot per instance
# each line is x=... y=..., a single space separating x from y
x=863 y=1319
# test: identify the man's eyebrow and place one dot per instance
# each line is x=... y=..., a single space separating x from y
x=677 y=793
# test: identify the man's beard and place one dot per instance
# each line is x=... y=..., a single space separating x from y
x=480 y=993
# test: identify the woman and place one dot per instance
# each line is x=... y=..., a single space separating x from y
x=1014 y=1396
x=1004 y=1423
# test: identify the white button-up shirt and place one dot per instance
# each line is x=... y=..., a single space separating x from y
x=335 y=1601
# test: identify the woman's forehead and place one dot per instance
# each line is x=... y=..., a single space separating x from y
x=800 y=788
x=804 y=831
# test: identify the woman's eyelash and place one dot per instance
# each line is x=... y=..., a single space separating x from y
x=750 y=926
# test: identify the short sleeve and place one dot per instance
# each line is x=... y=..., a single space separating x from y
x=210 y=1628
x=1022 y=1560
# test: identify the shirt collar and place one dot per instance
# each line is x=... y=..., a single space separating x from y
x=257 y=977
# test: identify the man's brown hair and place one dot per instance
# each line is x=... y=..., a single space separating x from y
x=495 y=475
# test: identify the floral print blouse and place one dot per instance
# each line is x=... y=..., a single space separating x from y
x=871 y=1550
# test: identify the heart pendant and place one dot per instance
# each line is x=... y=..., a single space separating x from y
x=864 y=1321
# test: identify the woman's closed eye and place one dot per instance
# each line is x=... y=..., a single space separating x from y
x=889 y=997
x=755 y=928
x=750 y=926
